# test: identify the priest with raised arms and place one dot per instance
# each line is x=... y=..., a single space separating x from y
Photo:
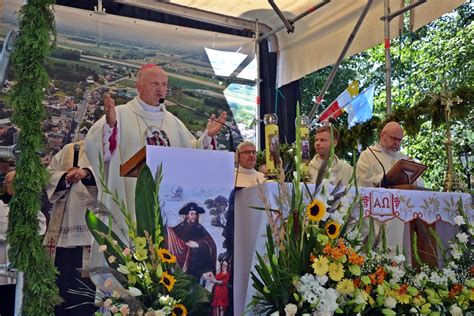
x=125 y=129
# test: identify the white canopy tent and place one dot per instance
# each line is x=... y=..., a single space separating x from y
x=318 y=37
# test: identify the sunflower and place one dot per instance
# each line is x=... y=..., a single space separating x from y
x=316 y=210
x=179 y=309
x=332 y=229
x=165 y=256
x=168 y=281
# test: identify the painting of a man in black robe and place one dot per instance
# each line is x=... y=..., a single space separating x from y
x=191 y=243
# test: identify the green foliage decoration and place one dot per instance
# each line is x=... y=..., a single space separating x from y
x=37 y=29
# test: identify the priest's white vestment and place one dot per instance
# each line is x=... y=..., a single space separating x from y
x=135 y=123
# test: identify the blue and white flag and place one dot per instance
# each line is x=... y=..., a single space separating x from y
x=361 y=107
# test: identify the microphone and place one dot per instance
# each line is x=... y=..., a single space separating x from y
x=75 y=161
x=231 y=137
x=384 y=182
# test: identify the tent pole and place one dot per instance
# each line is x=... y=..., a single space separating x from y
x=388 y=70
x=291 y=21
x=319 y=99
x=257 y=82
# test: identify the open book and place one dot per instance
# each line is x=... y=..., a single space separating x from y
x=405 y=172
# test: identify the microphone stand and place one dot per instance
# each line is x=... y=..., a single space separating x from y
x=231 y=137
x=384 y=181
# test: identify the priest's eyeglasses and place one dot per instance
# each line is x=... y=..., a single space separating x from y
x=248 y=152
x=393 y=138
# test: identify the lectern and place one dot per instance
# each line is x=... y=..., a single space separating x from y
x=132 y=167
x=403 y=176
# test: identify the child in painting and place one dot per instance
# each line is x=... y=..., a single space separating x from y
x=220 y=295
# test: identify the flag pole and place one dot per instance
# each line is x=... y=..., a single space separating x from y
x=319 y=99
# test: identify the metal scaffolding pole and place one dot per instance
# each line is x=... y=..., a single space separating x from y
x=257 y=82
x=388 y=69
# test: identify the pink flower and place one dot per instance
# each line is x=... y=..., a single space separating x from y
x=111 y=259
x=126 y=251
x=108 y=303
x=124 y=309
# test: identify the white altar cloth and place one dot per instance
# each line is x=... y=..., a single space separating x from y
x=382 y=204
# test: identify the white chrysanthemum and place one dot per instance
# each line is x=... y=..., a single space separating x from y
x=397 y=274
x=290 y=309
x=452 y=265
x=328 y=303
x=438 y=279
x=459 y=220
x=390 y=302
x=450 y=274
x=456 y=253
x=321 y=279
x=310 y=297
x=419 y=278
x=399 y=259
x=304 y=284
x=462 y=237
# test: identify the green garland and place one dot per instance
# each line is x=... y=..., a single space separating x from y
x=412 y=119
x=34 y=44
x=428 y=109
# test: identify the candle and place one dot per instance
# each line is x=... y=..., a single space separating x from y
x=272 y=143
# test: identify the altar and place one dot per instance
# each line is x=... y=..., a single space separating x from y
x=384 y=205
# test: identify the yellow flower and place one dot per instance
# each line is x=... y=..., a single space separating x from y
x=140 y=242
x=333 y=229
x=345 y=287
x=320 y=265
x=336 y=271
x=403 y=298
x=418 y=300
x=179 y=309
x=168 y=281
x=165 y=256
x=316 y=210
x=140 y=254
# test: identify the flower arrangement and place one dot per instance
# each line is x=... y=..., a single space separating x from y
x=142 y=278
x=316 y=263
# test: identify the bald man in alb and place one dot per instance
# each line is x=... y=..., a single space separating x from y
x=369 y=173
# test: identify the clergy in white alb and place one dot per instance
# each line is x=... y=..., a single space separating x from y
x=369 y=173
x=340 y=170
x=71 y=199
x=245 y=174
x=72 y=189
